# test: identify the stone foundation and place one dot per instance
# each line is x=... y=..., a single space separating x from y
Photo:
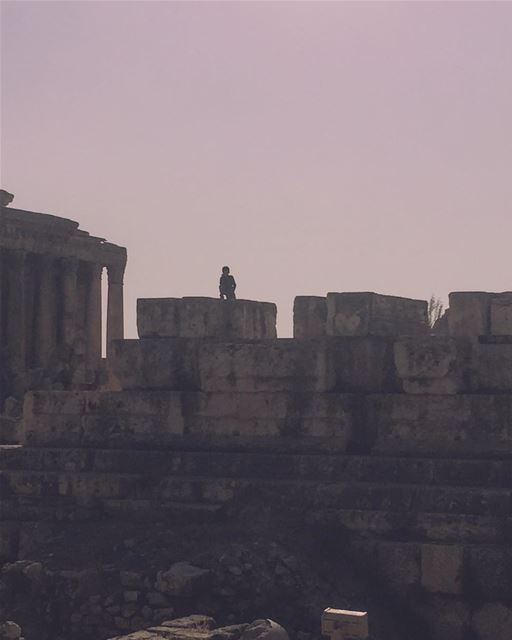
x=389 y=448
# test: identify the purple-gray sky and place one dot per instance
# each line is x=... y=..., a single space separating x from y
x=313 y=147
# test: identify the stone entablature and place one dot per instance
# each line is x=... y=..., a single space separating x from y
x=50 y=301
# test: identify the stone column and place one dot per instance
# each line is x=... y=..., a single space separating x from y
x=46 y=312
x=93 y=316
x=115 y=310
x=15 y=317
x=69 y=292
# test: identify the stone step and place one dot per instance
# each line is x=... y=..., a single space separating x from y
x=452 y=569
x=150 y=510
x=406 y=498
x=424 y=526
x=49 y=508
x=392 y=424
x=63 y=509
x=237 y=464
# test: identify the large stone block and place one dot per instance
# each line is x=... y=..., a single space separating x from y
x=493 y=621
x=155 y=363
x=442 y=568
x=356 y=314
x=284 y=420
x=280 y=365
x=469 y=313
x=493 y=367
x=309 y=317
x=363 y=363
x=490 y=570
x=480 y=313
x=501 y=314
x=442 y=617
x=440 y=424
x=205 y=318
x=432 y=364
x=399 y=564
x=110 y=419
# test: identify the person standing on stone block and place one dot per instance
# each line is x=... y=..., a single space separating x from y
x=227 y=285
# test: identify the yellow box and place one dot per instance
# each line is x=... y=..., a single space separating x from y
x=341 y=624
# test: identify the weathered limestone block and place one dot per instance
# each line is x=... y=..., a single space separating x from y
x=205 y=318
x=479 y=313
x=356 y=314
x=280 y=365
x=363 y=363
x=155 y=363
x=309 y=317
x=442 y=568
x=490 y=570
x=136 y=418
x=493 y=367
x=468 y=313
x=443 y=617
x=432 y=364
x=493 y=621
x=291 y=420
x=93 y=418
x=501 y=314
x=399 y=564
x=440 y=424
x=188 y=364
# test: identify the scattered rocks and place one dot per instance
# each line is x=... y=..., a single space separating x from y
x=201 y=627
x=264 y=630
x=182 y=579
x=191 y=622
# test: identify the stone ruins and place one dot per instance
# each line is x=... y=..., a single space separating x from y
x=50 y=301
x=213 y=468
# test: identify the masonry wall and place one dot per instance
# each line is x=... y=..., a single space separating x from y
x=398 y=443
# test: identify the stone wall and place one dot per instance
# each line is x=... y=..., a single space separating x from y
x=389 y=448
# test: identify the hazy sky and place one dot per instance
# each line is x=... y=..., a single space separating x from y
x=312 y=146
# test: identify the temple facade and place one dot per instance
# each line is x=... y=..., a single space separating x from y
x=51 y=302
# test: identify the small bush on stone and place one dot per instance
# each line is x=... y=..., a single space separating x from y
x=435 y=310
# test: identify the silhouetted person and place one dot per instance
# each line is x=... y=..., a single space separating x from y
x=227 y=285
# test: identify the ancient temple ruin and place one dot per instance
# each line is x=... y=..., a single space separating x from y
x=370 y=442
x=50 y=301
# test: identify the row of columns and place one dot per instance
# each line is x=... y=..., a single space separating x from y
x=46 y=302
